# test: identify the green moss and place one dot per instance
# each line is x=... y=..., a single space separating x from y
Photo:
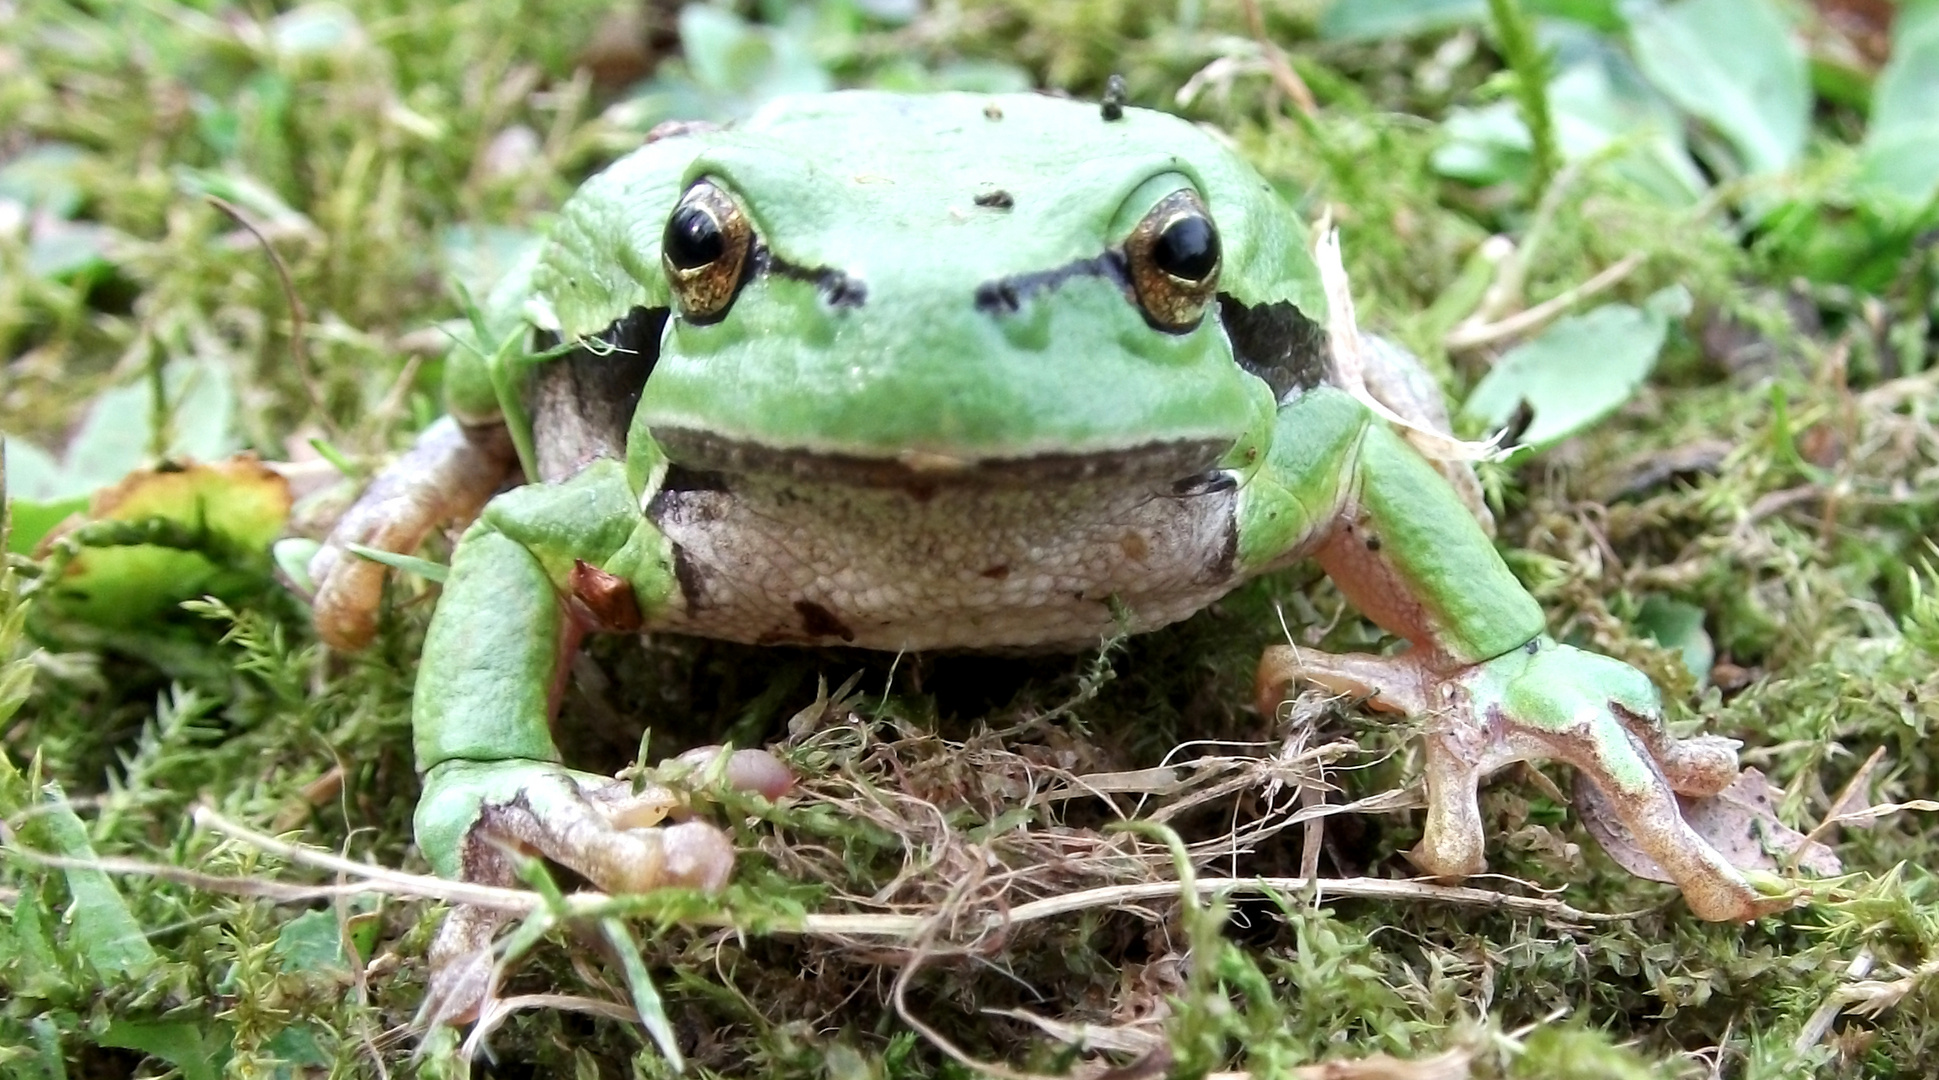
x=359 y=137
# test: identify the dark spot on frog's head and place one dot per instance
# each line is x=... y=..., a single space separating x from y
x=997 y=572
x=1373 y=542
x=994 y=200
x=819 y=622
x=998 y=298
x=1005 y=295
x=841 y=291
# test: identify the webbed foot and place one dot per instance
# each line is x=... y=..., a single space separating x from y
x=1543 y=701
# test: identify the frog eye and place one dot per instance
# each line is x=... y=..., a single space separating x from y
x=705 y=251
x=1173 y=256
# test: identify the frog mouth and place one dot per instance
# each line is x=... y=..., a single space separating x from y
x=1183 y=467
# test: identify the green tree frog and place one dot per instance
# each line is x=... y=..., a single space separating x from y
x=946 y=371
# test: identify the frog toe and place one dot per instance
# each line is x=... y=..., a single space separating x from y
x=1642 y=798
x=1701 y=766
x=464 y=967
x=474 y=814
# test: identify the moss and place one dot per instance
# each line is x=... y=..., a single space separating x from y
x=1780 y=475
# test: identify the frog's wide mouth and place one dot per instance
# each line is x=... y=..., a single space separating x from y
x=1183 y=466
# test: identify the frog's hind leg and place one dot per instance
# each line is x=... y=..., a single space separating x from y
x=1397 y=379
x=1457 y=755
x=1541 y=702
x=1639 y=793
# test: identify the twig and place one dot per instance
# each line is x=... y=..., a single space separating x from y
x=371 y=878
x=1283 y=75
x=1826 y=1013
x=299 y=355
x=520 y=901
x=1467 y=338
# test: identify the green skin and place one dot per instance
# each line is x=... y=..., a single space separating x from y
x=935 y=392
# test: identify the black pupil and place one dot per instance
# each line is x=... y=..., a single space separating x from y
x=693 y=238
x=1188 y=249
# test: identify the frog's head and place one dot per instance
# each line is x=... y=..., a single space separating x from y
x=952 y=286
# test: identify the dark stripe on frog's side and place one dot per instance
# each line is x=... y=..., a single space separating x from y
x=1275 y=342
x=1278 y=343
x=1005 y=295
x=583 y=402
x=837 y=288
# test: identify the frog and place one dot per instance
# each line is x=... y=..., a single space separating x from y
x=951 y=371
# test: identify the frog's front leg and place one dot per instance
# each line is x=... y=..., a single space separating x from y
x=543 y=565
x=1492 y=688
x=447 y=476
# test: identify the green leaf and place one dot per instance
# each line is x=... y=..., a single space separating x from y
x=263 y=206
x=410 y=564
x=1674 y=624
x=33 y=943
x=113 y=440
x=47 y=1041
x=36 y=500
x=1351 y=20
x=46 y=177
x=104 y=930
x=1735 y=65
x=311 y=942
x=298 y=1045
x=1602 y=108
x=315 y=30
x=178 y=1042
x=167 y=535
x=70 y=251
x=1899 y=160
x=1578 y=371
x=1365 y=20
x=477 y=257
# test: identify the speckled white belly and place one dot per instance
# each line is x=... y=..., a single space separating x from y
x=767 y=559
